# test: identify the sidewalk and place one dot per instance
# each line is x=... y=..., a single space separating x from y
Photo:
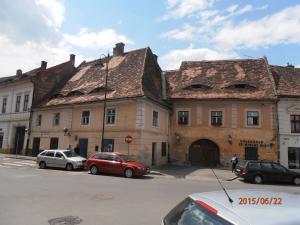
x=192 y=173
x=17 y=156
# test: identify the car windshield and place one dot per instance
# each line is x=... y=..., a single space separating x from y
x=70 y=154
x=125 y=158
x=188 y=212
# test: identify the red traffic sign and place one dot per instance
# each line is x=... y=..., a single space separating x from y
x=128 y=139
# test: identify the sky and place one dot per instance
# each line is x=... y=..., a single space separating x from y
x=175 y=30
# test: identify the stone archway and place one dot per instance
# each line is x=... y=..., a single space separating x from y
x=204 y=152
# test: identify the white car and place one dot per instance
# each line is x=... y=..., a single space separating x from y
x=255 y=207
x=60 y=159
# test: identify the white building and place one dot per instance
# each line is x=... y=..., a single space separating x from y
x=288 y=107
x=18 y=94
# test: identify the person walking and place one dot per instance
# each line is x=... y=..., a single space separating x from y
x=77 y=149
x=234 y=161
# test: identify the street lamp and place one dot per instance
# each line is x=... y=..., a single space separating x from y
x=104 y=104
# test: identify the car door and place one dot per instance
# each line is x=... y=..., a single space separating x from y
x=280 y=173
x=114 y=165
x=103 y=163
x=49 y=159
x=267 y=171
x=59 y=160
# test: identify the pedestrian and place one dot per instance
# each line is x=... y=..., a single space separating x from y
x=69 y=147
x=234 y=161
x=77 y=149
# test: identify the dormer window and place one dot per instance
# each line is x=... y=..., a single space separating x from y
x=74 y=93
x=241 y=86
x=198 y=87
x=100 y=89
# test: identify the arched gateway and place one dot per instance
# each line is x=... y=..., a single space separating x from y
x=204 y=153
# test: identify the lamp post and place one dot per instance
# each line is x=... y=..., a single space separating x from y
x=104 y=103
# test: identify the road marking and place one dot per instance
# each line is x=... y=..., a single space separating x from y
x=12 y=164
x=26 y=163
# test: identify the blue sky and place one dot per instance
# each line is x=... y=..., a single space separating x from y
x=176 y=30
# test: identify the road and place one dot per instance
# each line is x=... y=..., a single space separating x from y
x=31 y=196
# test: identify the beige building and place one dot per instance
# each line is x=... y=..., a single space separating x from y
x=222 y=108
x=135 y=107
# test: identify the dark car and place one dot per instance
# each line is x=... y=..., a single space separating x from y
x=116 y=163
x=266 y=171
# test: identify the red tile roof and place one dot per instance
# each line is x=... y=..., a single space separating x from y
x=222 y=79
x=287 y=80
x=132 y=74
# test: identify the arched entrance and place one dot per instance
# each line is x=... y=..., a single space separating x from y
x=205 y=153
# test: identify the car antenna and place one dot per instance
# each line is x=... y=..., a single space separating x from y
x=229 y=199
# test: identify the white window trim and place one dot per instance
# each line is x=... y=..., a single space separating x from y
x=157 y=119
x=223 y=117
x=116 y=117
x=28 y=104
x=6 y=109
x=85 y=125
x=20 y=106
x=246 y=118
x=190 y=116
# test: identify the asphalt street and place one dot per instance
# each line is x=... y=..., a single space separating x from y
x=31 y=196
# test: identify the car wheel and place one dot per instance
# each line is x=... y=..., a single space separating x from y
x=128 y=173
x=42 y=165
x=94 y=170
x=69 y=167
x=257 y=179
x=296 y=180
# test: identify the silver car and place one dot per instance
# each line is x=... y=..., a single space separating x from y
x=60 y=159
x=257 y=207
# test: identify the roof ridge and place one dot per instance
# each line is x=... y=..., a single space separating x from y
x=222 y=60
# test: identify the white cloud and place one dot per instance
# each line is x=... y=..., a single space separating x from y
x=183 y=8
x=53 y=11
x=187 y=32
x=103 y=39
x=281 y=27
x=28 y=55
x=173 y=59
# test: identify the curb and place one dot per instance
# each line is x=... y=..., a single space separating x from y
x=156 y=172
x=19 y=157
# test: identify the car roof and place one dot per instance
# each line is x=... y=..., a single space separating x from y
x=57 y=150
x=258 y=214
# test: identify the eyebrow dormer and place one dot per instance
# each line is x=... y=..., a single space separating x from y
x=198 y=86
x=241 y=86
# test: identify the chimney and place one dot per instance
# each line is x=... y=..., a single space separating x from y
x=72 y=58
x=19 y=73
x=290 y=65
x=155 y=57
x=118 y=49
x=43 y=65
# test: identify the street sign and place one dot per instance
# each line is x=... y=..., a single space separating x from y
x=128 y=139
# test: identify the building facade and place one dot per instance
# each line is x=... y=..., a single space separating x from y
x=287 y=83
x=222 y=108
x=18 y=94
x=135 y=107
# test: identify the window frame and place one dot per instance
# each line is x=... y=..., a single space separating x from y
x=294 y=123
x=83 y=118
x=155 y=121
x=4 y=106
x=18 y=103
x=39 y=120
x=56 y=119
x=26 y=103
x=179 y=122
x=109 y=116
x=164 y=149
x=249 y=116
x=212 y=117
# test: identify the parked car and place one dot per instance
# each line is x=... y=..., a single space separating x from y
x=116 y=163
x=60 y=159
x=214 y=208
x=266 y=171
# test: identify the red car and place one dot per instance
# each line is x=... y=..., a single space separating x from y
x=115 y=163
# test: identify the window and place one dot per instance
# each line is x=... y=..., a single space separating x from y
x=4 y=104
x=26 y=101
x=295 y=123
x=294 y=158
x=279 y=168
x=50 y=154
x=39 y=120
x=216 y=118
x=59 y=155
x=155 y=119
x=18 y=101
x=1 y=140
x=163 y=149
x=110 y=116
x=252 y=118
x=56 y=118
x=183 y=117
x=266 y=166
x=85 y=118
